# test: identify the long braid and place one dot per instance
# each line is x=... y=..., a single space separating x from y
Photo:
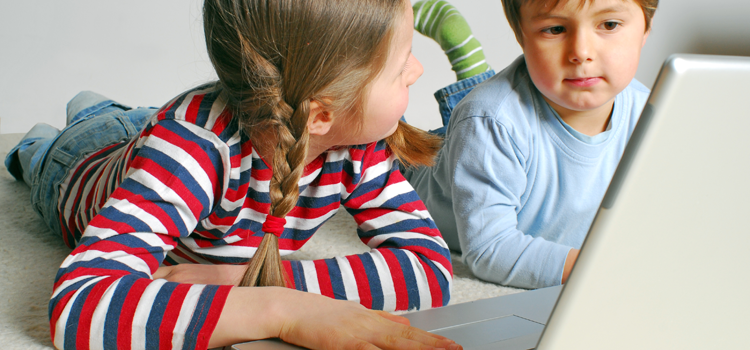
x=289 y=161
x=265 y=268
x=257 y=96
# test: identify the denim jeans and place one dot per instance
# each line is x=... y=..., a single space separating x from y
x=449 y=96
x=45 y=155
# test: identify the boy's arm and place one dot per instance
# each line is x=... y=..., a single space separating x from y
x=489 y=178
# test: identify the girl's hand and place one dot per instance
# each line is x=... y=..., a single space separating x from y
x=316 y=322
x=201 y=274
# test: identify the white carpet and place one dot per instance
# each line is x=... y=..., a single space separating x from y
x=30 y=256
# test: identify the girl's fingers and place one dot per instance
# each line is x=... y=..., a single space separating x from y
x=395 y=318
x=416 y=344
x=405 y=321
x=162 y=272
x=201 y=274
x=420 y=339
x=403 y=336
x=361 y=344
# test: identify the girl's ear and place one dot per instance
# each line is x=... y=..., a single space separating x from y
x=320 y=120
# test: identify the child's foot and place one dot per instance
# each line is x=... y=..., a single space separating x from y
x=441 y=21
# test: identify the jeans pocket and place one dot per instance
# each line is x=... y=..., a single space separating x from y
x=84 y=137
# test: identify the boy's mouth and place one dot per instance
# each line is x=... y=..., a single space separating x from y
x=583 y=82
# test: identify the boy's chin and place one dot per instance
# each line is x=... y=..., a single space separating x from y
x=579 y=104
x=583 y=109
x=586 y=107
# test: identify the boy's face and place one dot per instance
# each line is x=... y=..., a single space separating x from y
x=580 y=55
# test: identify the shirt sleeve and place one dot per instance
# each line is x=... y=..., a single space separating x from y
x=409 y=265
x=488 y=182
x=103 y=296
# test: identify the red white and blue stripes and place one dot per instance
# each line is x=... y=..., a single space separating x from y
x=192 y=189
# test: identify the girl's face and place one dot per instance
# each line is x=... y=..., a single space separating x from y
x=389 y=93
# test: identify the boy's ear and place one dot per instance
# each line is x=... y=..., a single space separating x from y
x=645 y=35
x=320 y=120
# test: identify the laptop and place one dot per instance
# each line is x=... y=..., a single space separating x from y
x=666 y=262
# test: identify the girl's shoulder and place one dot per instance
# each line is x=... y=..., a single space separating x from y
x=367 y=154
x=356 y=159
x=205 y=107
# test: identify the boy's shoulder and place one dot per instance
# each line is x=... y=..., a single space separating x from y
x=638 y=87
x=508 y=98
x=629 y=104
x=636 y=92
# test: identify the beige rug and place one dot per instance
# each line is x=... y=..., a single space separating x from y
x=30 y=256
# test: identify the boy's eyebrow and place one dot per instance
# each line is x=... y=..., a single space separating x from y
x=611 y=9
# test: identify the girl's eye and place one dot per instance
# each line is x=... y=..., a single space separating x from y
x=554 y=30
x=611 y=25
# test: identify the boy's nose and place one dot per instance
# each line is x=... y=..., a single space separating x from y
x=581 y=47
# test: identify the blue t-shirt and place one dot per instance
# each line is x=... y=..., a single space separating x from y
x=515 y=187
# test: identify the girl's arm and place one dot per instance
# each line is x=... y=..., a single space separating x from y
x=94 y=308
x=316 y=322
x=103 y=292
x=104 y=295
x=409 y=265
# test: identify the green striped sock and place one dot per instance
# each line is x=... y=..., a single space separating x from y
x=443 y=23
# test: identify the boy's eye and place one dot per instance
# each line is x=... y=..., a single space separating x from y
x=610 y=25
x=554 y=30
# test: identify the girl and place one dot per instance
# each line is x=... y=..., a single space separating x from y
x=244 y=168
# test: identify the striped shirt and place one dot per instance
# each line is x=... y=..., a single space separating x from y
x=191 y=188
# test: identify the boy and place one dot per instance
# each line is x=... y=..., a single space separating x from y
x=529 y=153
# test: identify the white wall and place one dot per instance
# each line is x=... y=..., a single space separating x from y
x=139 y=52
x=144 y=52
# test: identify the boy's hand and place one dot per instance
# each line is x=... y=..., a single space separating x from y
x=569 y=261
x=202 y=274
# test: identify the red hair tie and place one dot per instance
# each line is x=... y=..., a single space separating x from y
x=274 y=225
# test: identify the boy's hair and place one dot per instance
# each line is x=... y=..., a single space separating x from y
x=273 y=57
x=512 y=10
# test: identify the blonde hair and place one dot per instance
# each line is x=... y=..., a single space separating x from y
x=512 y=10
x=273 y=57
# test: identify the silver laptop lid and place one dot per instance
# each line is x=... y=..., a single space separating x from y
x=666 y=263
